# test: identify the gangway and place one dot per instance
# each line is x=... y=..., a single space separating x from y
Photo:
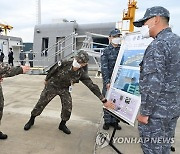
x=43 y=64
x=95 y=53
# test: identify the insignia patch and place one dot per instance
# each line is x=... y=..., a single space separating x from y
x=59 y=63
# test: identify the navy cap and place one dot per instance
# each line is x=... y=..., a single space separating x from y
x=152 y=12
x=115 y=32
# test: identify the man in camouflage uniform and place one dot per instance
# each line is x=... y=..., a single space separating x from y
x=159 y=82
x=8 y=71
x=58 y=81
x=108 y=60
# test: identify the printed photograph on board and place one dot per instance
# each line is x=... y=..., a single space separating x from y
x=127 y=80
x=125 y=105
x=132 y=58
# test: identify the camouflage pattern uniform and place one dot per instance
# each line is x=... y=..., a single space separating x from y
x=59 y=79
x=108 y=60
x=6 y=71
x=160 y=89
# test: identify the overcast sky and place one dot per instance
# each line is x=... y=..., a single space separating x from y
x=22 y=14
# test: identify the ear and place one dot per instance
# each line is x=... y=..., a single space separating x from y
x=110 y=39
x=157 y=20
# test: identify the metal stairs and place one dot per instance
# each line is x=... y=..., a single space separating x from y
x=43 y=64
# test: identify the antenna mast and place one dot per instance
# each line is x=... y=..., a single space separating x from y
x=38 y=12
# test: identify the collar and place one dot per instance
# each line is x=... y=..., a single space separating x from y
x=168 y=29
x=111 y=46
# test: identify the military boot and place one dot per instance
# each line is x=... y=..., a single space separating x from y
x=3 y=136
x=118 y=127
x=173 y=149
x=63 y=127
x=106 y=126
x=29 y=123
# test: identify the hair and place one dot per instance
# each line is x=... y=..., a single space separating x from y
x=165 y=19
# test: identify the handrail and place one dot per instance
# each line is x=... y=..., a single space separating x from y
x=61 y=46
x=59 y=51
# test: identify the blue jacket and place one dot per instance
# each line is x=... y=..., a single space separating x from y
x=108 y=60
x=160 y=76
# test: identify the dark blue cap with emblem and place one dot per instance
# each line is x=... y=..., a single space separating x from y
x=115 y=32
x=152 y=12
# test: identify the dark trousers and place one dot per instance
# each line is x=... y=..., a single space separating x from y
x=31 y=63
x=157 y=135
x=10 y=62
x=1 y=103
x=108 y=118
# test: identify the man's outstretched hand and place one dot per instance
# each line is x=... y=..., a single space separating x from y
x=109 y=105
x=25 y=68
x=143 y=119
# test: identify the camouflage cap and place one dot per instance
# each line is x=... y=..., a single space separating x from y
x=152 y=12
x=82 y=57
x=115 y=32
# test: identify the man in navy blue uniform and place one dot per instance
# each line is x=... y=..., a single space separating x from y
x=159 y=82
x=108 y=60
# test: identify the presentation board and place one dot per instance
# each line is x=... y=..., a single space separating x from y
x=124 y=89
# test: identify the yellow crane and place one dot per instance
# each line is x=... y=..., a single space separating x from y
x=130 y=14
x=5 y=27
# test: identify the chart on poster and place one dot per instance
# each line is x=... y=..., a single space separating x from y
x=124 y=90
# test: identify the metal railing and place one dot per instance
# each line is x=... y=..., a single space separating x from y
x=47 y=61
x=60 y=48
x=88 y=46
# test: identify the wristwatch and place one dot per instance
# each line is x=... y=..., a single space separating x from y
x=104 y=100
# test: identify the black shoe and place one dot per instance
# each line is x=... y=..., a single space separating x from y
x=3 y=136
x=64 y=128
x=106 y=126
x=173 y=149
x=29 y=123
x=118 y=127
